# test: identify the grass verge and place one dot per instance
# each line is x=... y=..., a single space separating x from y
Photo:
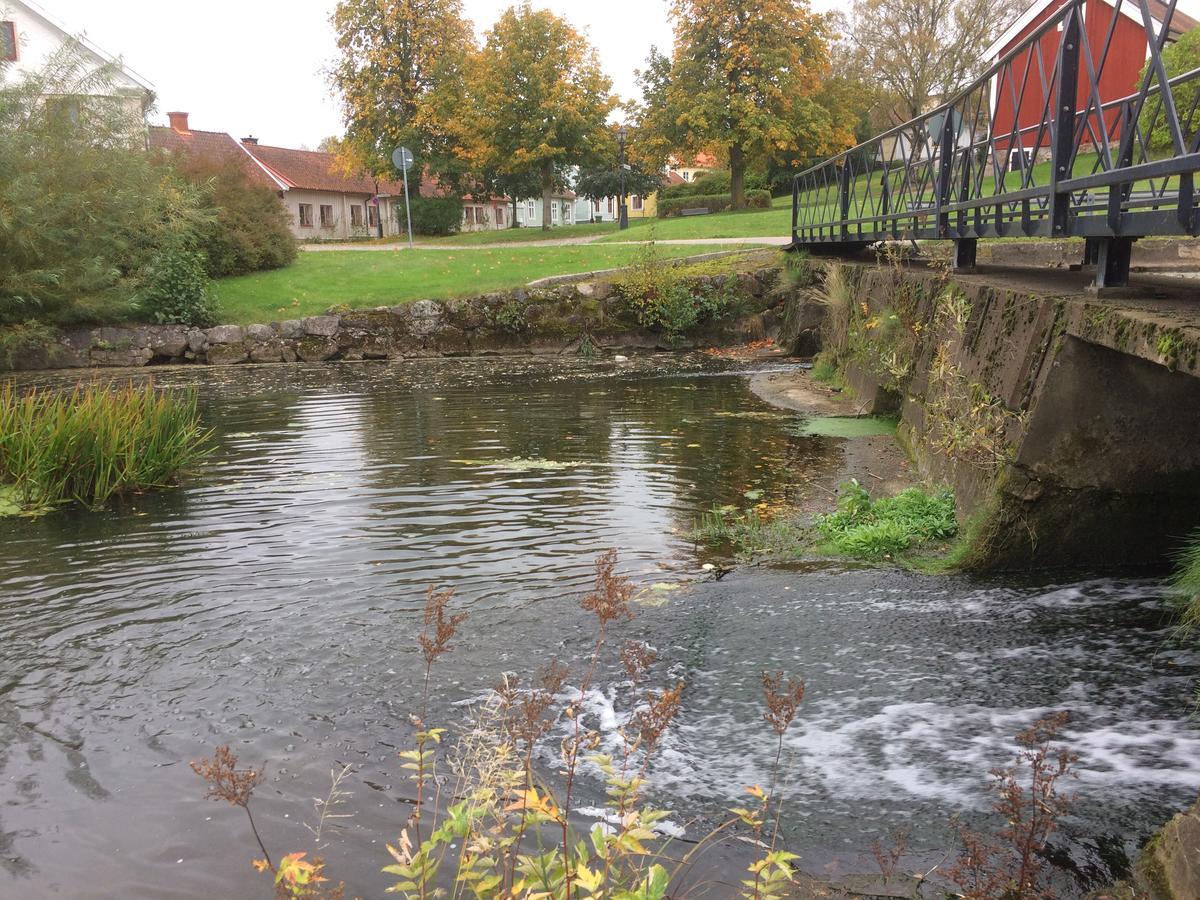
x=357 y=278
x=93 y=444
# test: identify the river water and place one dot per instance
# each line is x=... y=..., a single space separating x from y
x=272 y=602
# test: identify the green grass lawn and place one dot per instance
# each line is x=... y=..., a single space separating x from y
x=357 y=278
x=773 y=222
x=519 y=235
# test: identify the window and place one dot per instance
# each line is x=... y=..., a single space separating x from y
x=356 y=218
x=373 y=216
x=326 y=216
x=8 y=42
x=610 y=205
x=499 y=216
x=687 y=176
x=553 y=211
x=531 y=211
x=306 y=215
x=597 y=202
x=637 y=203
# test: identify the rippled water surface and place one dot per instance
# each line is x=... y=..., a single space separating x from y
x=272 y=602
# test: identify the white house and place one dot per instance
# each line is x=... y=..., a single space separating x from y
x=30 y=36
x=562 y=210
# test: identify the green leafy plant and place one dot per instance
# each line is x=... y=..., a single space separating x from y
x=247 y=228
x=85 y=209
x=511 y=316
x=874 y=529
x=178 y=291
x=664 y=301
x=711 y=202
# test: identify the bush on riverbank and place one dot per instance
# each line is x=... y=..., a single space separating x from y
x=94 y=443
x=665 y=300
x=84 y=210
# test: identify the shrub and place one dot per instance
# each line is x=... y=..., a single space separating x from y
x=663 y=301
x=433 y=216
x=95 y=443
x=177 y=290
x=711 y=202
x=83 y=208
x=714 y=183
x=486 y=823
x=248 y=227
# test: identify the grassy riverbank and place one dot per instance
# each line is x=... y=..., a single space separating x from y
x=92 y=444
x=910 y=525
x=361 y=278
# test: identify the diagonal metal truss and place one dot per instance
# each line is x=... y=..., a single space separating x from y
x=980 y=166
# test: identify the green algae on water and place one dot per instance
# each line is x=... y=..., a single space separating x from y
x=844 y=426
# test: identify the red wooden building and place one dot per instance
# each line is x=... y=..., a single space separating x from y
x=1020 y=85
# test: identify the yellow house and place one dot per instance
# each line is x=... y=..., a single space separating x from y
x=690 y=171
x=647 y=207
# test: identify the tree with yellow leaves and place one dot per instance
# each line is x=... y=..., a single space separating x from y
x=402 y=81
x=541 y=98
x=745 y=76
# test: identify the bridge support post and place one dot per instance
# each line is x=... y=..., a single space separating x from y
x=1112 y=262
x=1091 y=252
x=964 y=254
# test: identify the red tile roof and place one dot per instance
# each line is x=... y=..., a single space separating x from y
x=214 y=146
x=313 y=170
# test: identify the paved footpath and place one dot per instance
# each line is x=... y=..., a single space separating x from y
x=775 y=241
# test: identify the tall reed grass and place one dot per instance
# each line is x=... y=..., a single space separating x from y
x=95 y=442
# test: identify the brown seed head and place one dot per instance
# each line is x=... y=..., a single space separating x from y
x=610 y=598
x=439 y=629
x=225 y=780
x=783 y=699
x=637 y=657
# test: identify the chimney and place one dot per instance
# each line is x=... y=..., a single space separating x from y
x=179 y=122
x=250 y=140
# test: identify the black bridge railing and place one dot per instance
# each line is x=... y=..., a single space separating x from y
x=1031 y=148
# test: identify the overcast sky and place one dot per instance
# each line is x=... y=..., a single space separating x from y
x=258 y=66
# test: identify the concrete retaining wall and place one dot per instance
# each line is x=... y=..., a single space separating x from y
x=1068 y=426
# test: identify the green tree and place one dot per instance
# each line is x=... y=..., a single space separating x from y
x=1182 y=56
x=541 y=97
x=656 y=121
x=85 y=212
x=744 y=76
x=402 y=81
x=603 y=179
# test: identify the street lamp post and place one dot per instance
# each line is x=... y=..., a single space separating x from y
x=622 y=134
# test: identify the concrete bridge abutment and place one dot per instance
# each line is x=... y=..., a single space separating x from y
x=1068 y=425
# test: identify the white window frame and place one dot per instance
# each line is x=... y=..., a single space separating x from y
x=531 y=210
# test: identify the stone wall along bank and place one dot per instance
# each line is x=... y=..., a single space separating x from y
x=556 y=319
